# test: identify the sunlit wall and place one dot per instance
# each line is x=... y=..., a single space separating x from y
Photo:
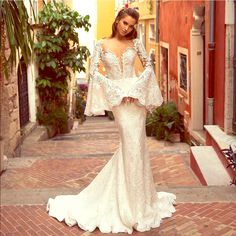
x=105 y=17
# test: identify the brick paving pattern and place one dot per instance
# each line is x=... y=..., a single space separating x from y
x=189 y=219
x=71 y=161
x=167 y=170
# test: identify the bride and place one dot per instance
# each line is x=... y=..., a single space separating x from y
x=122 y=197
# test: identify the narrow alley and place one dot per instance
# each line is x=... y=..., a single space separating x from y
x=68 y=163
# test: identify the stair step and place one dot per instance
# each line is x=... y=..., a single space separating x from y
x=222 y=139
x=207 y=166
x=219 y=140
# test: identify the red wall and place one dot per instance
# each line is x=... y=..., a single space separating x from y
x=175 y=23
x=219 y=58
x=176 y=18
x=219 y=86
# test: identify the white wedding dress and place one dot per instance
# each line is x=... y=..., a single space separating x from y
x=122 y=197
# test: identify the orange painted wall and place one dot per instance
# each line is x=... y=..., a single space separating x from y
x=175 y=23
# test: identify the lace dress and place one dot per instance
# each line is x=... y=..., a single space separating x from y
x=122 y=197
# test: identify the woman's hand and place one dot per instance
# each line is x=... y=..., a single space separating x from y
x=128 y=100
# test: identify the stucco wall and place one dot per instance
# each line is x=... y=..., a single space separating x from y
x=105 y=17
x=175 y=22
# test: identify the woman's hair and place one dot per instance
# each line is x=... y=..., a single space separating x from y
x=123 y=13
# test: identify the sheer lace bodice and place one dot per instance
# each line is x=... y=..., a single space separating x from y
x=120 y=80
x=119 y=67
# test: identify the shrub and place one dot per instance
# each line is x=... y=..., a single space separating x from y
x=58 y=54
x=164 y=122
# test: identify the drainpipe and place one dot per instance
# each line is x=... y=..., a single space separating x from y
x=211 y=64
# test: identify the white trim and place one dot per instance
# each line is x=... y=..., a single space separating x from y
x=229 y=12
x=197 y=81
x=31 y=77
x=229 y=78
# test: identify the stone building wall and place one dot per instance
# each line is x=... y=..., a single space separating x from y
x=10 y=124
x=10 y=120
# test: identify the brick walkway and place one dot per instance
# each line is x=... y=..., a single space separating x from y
x=189 y=219
x=69 y=163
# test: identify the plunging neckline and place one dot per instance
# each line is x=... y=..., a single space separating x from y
x=107 y=50
x=119 y=58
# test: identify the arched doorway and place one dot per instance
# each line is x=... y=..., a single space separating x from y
x=23 y=93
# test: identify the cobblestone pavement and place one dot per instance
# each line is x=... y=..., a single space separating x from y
x=68 y=163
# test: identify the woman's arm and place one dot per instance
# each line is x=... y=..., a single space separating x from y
x=144 y=58
x=95 y=61
x=96 y=103
x=146 y=62
x=146 y=89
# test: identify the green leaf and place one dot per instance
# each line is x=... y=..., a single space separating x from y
x=53 y=64
x=58 y=53
x=42 y=66
x=44 y=44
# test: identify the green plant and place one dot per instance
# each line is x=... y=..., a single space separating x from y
x=164 y=122
x=57 y=118
x=15 y=27
x=58 y=54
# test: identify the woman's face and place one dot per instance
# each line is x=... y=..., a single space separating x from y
x=125 y=25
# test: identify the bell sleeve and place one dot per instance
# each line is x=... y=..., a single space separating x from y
x=146 y=89
x=103 y=93
x=95 y=103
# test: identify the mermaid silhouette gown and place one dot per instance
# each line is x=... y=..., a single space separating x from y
x=122 y=197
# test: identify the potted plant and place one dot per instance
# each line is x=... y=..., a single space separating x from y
x=58 y=55
x=165 y=122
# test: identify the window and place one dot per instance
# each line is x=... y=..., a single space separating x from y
x=152 y=32
x=164 y=70
x=183 y=72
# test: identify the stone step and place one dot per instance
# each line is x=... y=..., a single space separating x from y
x=219 y=140
x=207 y=167
x=222 y=139
x=38 y=134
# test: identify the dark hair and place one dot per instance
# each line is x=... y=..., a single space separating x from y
x=123 y=13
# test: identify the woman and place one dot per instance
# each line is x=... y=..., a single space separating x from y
x=122 y=197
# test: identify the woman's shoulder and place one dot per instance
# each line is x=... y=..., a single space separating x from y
x=107 y=41
x=136 y=41
x=100 y=42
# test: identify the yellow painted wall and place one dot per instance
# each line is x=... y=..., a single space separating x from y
x=147 y=8
x=105 y=17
